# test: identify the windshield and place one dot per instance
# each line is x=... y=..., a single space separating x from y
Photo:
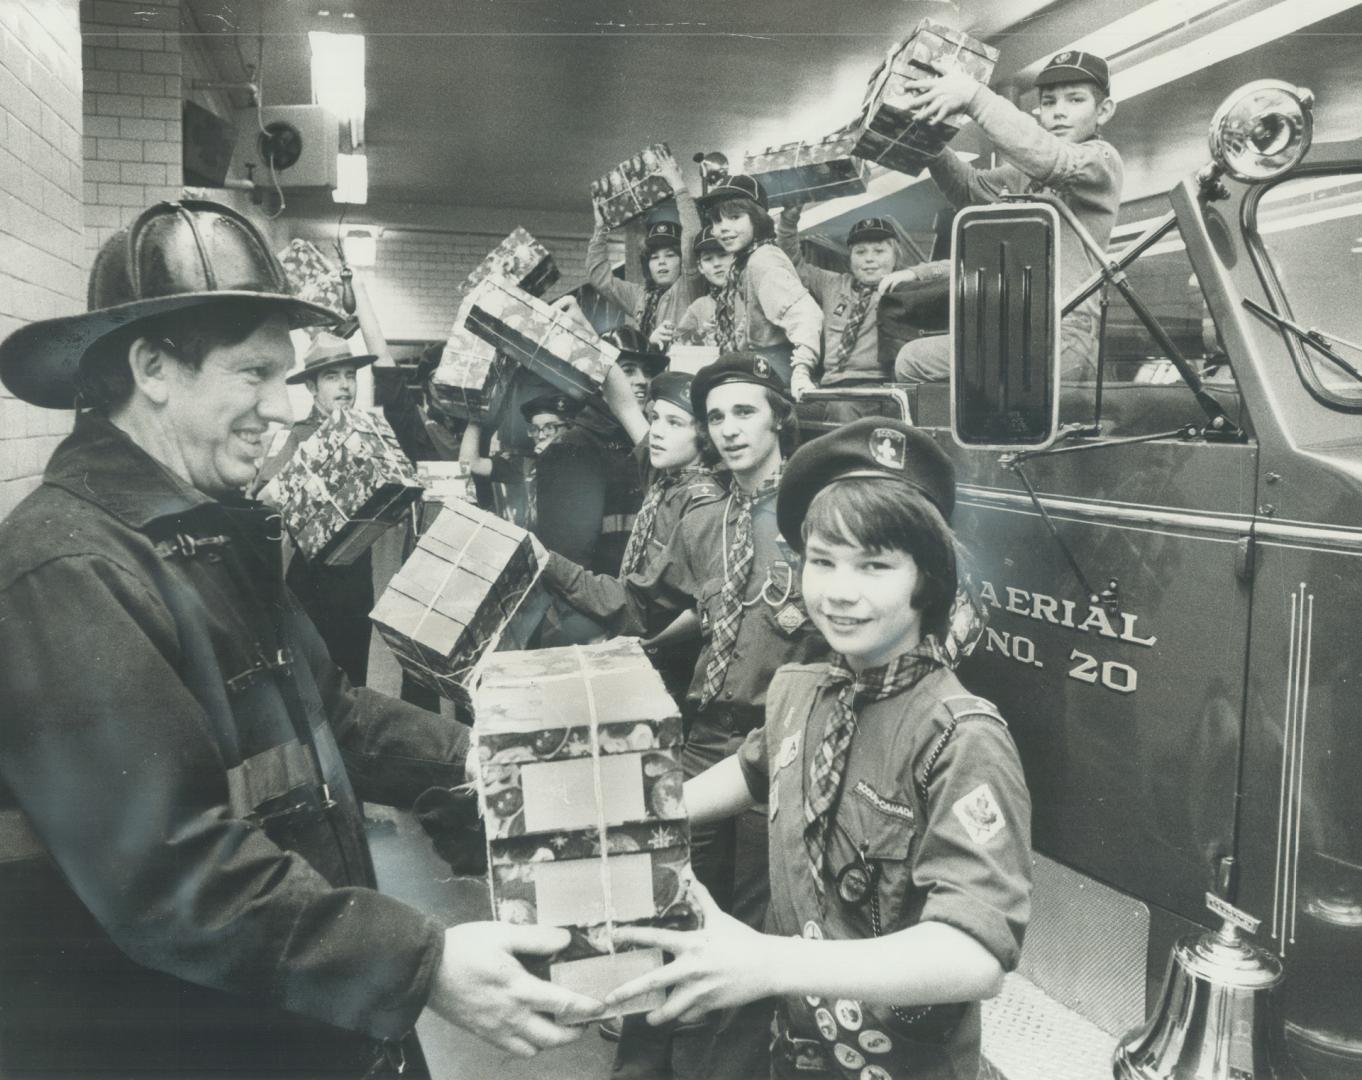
x=1311 y=229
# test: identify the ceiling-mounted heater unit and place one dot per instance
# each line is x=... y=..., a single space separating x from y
x=301 y=140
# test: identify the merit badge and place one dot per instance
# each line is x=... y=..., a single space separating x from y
x=762 y=368
x=827 y=1026
x=789 y=751
x=847 y=1057
x=789 y=618
x=980 y=814
x=813 y=931
x=839 y=310
x=889 y=448
x=875 y=1042
x=874 y=1072
x=848 y=1014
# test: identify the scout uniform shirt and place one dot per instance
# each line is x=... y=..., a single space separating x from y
x=697 y=325
x=773 y=311
x=774 y=629
x=934 y=800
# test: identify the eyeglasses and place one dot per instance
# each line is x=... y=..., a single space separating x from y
x=546 y=430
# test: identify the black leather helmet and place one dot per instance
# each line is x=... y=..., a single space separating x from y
x=175 y=255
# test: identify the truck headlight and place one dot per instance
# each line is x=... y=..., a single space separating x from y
x=1262 y=130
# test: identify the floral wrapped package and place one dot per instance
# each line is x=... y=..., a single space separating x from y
x=809 y=172
x=468 y=588
x=887 y=132
x=581 y=789
x=313 y=276
x=519 y=258
x=472 y=377
x=345 y=485
x=550 y=343
x=632 y=187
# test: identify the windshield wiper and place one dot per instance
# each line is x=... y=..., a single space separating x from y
x=1320 y=342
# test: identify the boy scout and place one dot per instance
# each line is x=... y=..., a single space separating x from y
x=900 y=820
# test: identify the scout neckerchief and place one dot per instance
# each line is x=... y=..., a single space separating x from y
x=830 y=758
x=865 y=296
x=651 y=297
x=737 y=572
x=726 y=301
x=646 y=520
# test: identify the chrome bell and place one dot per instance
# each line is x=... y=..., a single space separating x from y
x=1219 y=1016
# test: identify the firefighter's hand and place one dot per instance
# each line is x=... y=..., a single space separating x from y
x=723 y=964
x=801 y=381
x=893 y=278
x=483 y=988
x=450 y=818
x=663 y=335
x=947 y=94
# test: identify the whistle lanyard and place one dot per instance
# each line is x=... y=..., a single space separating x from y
x=765 y=592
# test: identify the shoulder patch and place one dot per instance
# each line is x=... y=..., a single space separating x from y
x=980 y=815
x=966 y=706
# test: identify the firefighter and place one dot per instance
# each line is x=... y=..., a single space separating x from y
x=697 y=326
x=638 y=361
x=187 y=887
x=1064 y=154
x=728 y=558
x=900 y=820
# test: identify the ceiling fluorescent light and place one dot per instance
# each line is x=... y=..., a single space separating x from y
x=352 y=179
x=338 y=73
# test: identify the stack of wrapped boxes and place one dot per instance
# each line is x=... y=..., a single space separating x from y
x=469 y=587
x=344 y=486
x=521 y=259
x=632 y=187
x=887 y=132
x=581 y=788
x=472 y=378
x=808 y=172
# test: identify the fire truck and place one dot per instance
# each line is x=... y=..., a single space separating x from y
x=1170 y=553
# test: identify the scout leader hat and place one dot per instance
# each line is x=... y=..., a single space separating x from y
x=874 y=446
x=560 y=404
x=174 y=256
x=706 y=243
x=744 y=367
x=674 y=388
x=871 y=228
x=328 y=352
x=634 y=349
x=663 y=234
x=1074 y=65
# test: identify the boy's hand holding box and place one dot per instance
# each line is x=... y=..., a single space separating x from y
x=344 y=486
x=520 y=258
x=581 y=789
x=469 y=587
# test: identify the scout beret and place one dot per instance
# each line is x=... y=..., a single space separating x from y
x=673 y=387
x=1073 y=66
x=635 y=349
x=874 y=446
x=561 y=404
x=871 y=228
x=663 y=234
x=744 y=367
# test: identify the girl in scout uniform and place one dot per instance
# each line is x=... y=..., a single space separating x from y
x=900 y=820
x=763 y=306
x=671 y=281
x=697 y=326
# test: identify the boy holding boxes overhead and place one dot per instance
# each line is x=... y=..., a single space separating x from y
x=1063 y=154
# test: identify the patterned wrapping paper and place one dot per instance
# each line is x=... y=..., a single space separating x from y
x=519 y=258
x=446 y=482
x=472 y=377
x=312 y=275
x=581 y=788
x=887 y=133
x=633 y=187
x=345 y=485
x=809 y=172
x=548 y=343
x=468 y=588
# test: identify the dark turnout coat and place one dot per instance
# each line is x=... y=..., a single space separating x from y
x=185 y=885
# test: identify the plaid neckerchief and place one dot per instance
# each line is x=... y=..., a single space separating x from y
x=830 y=759
x=726 y=331
x=646 y=520
x=865 y=296
x=648 y=315
x=738 y=560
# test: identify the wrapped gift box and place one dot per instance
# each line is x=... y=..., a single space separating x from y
x=446 y=482
x=688 y=359
x=581 y=788
x=519 y=258
x=632 y=187
x=887 y=132
x=469 y=587
x=472 y=377
x=808 y=172
x=312 y=275
x=344 y=486
x=551 y=344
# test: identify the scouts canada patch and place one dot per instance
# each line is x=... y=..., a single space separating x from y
x=1062 y=58
x=889 y=448
x=762 y=368
x=883 y=805
x=790 y=618
x=980 y=814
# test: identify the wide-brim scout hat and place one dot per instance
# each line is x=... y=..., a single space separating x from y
x=1075 y=66
x=871 y=228
x=740 y=186
x=743 y=367
x=174 y=256
x=327 y=353
x=674 y=388
x=560 y=404
x=875 y=447
x=634 y=349
x=662 y=234
x=707 y=243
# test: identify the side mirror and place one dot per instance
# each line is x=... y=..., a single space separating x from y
x=1005 y=308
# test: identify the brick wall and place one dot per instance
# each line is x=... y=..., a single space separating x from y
x=133 y=87
x=42 y=252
